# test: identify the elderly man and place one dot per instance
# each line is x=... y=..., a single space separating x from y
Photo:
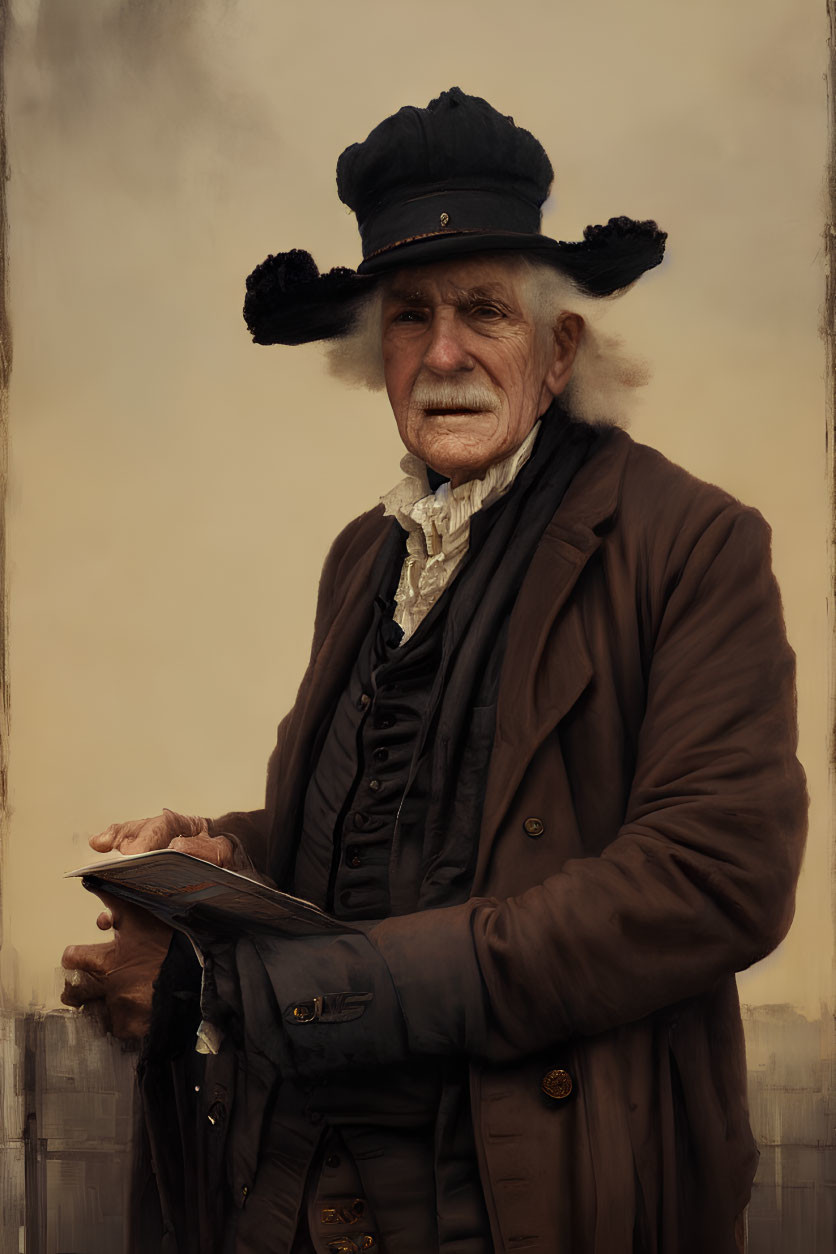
x=541 y=765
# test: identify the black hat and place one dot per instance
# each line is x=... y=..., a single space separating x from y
x=429 y=184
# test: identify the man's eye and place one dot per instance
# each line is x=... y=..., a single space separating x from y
x=410 y=315
x=486 y=312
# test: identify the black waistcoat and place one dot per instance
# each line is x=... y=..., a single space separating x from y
x=361 y=847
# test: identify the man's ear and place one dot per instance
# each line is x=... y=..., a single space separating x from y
x=567 y=337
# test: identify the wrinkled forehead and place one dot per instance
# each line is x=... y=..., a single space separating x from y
x=483 y=277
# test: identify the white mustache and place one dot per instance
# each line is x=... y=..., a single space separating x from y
x=437 y=394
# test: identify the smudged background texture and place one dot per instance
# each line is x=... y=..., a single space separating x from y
x=174 y=489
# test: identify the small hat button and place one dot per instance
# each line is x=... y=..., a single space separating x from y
x=557 y=1084
x=444 y=219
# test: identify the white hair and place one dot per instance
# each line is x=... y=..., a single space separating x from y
x=604 y=377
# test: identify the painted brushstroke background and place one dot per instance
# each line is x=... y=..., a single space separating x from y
x=173 y=489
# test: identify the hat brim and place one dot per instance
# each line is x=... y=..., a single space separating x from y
x=289 y=302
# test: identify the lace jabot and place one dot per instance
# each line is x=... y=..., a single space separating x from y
x=438 y=527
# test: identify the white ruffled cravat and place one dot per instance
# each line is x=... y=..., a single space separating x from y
x=438 y=527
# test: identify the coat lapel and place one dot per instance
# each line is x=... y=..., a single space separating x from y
x=547 y=661
x=348 y=627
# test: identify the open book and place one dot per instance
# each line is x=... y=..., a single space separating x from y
x=196 y=896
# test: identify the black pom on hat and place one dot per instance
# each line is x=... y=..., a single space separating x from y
x=455 y=178
x=289 y=302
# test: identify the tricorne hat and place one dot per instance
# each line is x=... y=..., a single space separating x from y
x=429 y=184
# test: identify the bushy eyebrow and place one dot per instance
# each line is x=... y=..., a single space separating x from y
x=406 y=295
x=464 y=298
x=491 y=294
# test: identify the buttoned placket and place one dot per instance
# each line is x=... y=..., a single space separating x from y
x=373 y=819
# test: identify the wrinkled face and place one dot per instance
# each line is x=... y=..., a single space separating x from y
x=467 y=370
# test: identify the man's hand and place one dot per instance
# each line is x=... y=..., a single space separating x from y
x=117 y=976
x=169 y=830
x=145 y=835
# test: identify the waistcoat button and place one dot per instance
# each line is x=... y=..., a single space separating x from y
x=360 y=819
x=380 y=755
x=557 y=1084
x=352 y=856
x=217 y=1114
x=534 y=827
x=363 y=701
x=374 y=784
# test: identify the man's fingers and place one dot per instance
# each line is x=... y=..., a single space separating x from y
x=122 y=837
x=146 y=835
x=183 y=824
x=215 y=849
x=94 y=958
x=113 y=908
x=81 y=987
x=114 y=980
x=102 y=842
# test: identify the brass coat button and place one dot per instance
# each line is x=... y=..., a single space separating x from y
x=557 y=1084
x=304 y=1012
x=534 y=827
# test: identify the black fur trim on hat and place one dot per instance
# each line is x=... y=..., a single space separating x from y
x=623 y=228
x=612 y=256
x=289 y=302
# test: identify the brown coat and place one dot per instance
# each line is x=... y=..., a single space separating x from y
x=646 y=718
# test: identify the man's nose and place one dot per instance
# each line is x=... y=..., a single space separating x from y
x=446 y=352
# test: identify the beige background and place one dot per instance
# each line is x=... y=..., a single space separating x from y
x=174 y=488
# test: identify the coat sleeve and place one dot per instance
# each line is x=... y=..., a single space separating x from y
x=697 y=883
